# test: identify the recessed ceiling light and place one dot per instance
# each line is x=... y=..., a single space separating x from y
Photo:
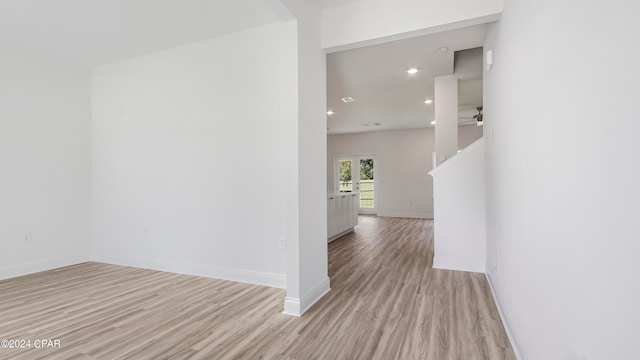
x=443 y=50
x=377 y=124
x=412 y=71
x=330 y=112
x=348 y=99
x=428 y=101
x=433 y=122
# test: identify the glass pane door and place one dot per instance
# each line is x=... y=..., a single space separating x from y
x=345 y=180
x=356 y=173
x=366 y=184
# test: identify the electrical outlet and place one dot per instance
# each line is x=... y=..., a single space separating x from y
x=27 y=237
x=281 y=242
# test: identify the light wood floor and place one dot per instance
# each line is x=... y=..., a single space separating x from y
x=386 y=303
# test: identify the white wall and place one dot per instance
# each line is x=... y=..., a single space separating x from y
x=190 y=156
x=403 y=186
x=562 y=176
x=45 y=162
x=307 y=263
x=468 y=63
x=446 y=117
x=467 y=134
x=367 y=22
x=459 y=211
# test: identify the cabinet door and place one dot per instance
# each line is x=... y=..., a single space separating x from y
x=331 y=216
x=354 y=212
x=338 y=215
x=346 y=210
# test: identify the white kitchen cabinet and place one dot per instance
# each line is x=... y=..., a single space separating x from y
x=355 y=203
x=331 y=215
x=346 y=209
x=342 y=214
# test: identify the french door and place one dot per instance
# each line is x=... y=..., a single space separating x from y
x=356 y=173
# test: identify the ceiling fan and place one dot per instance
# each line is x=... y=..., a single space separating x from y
x=475 y=119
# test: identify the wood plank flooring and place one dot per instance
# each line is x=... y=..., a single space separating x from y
x=386 y=303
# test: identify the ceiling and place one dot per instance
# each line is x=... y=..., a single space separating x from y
x=376 y=77
x=95 y=32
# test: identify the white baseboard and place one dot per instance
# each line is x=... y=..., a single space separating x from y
x=505 y=322
x=406 y=215
x=298 y=306
x=365 y=211
x=340 y=234
x=204 y=270
x=292 y=306
x=440 y=262
x=41 y=265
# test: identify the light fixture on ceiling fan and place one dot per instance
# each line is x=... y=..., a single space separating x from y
x=478 y=116
x=468 y=120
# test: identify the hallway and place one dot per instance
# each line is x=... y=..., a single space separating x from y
x=393 y=305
